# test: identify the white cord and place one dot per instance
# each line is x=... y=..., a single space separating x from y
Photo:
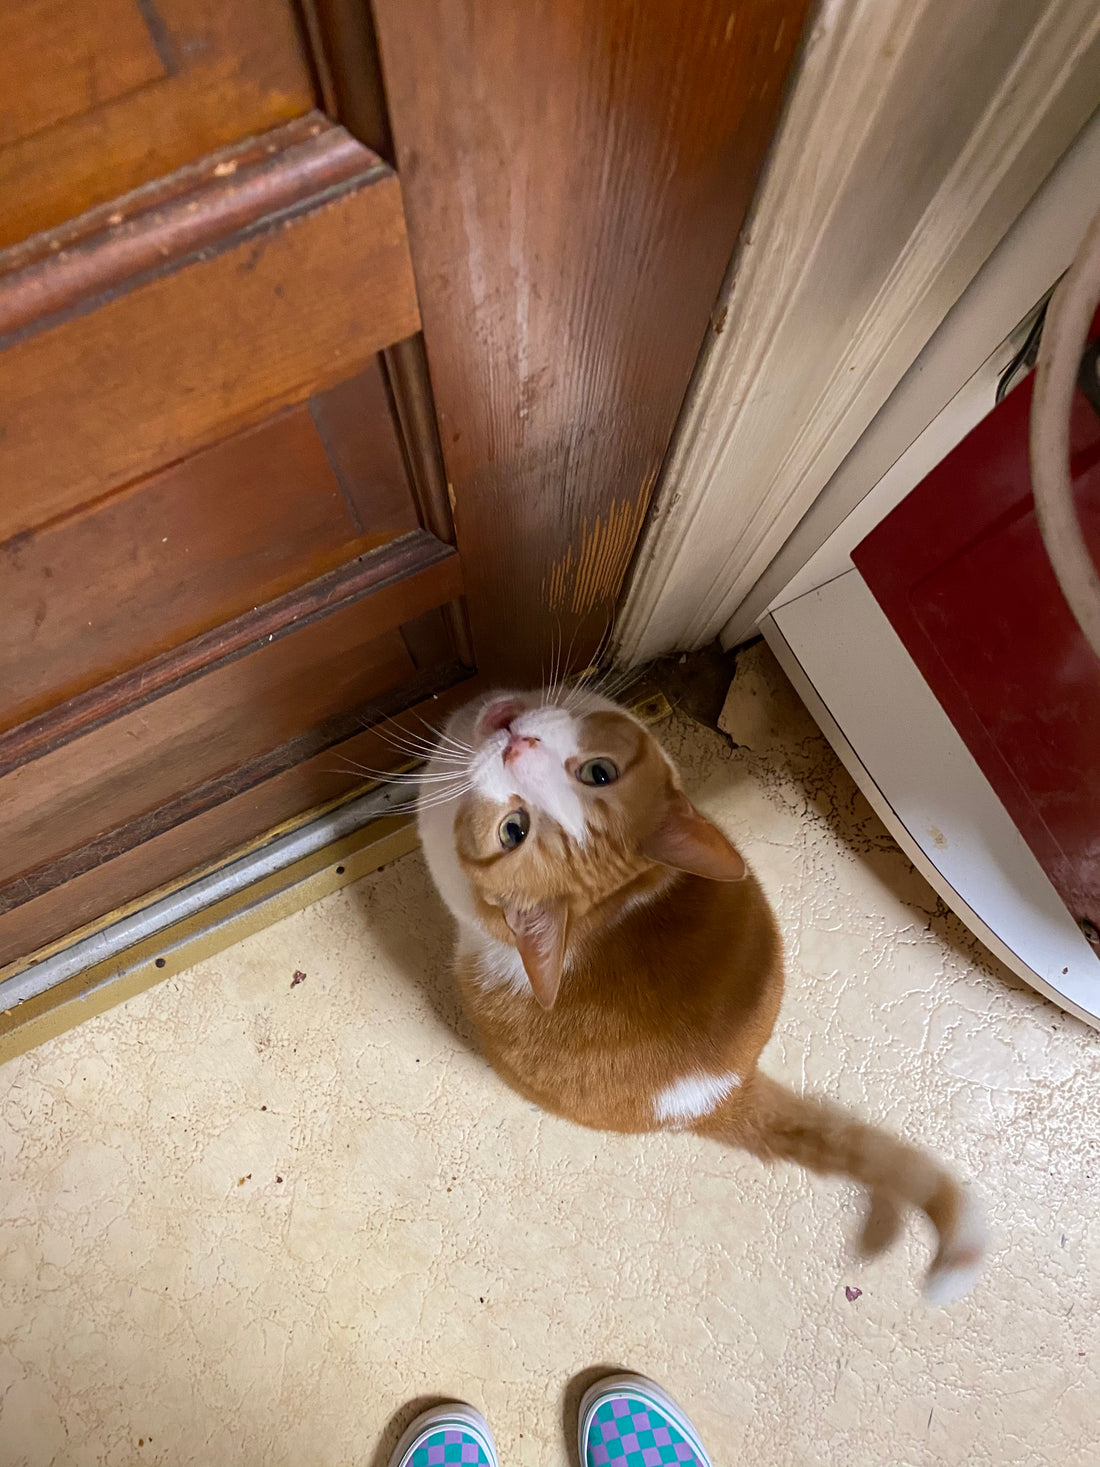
x=1065 y=335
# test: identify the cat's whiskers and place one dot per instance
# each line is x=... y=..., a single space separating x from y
x=440 y=797
x=550 y=682
x=562 y=661
x=349 y=767
x=574 y=694
x=420 y=748
x=570 y=689
x=397 y=732
x=567 y=662
x=413 y=777
x=612 y=683
x=445 y=759
x=444 y=785
x=408 y=740
x=396 y=777
x=452 y=750
x=446 y=738
x=546 y=677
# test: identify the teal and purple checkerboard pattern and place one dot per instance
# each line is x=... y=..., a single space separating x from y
x=450 y=1445
x=633 y=1433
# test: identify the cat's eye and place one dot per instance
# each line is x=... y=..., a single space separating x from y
x=512 y=831
x=597 y=771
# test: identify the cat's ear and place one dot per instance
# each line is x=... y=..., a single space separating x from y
x=687 y=841
x=540 y=933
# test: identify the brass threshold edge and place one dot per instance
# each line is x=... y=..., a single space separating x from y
x=204 y=916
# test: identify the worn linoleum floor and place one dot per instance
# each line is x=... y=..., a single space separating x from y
x=246 y=1221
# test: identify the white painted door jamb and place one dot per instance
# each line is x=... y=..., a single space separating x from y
x=916 y=132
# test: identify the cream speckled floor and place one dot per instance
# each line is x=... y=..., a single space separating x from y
x=244 y=1222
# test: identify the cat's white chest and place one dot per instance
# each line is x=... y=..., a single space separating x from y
x=435 y=822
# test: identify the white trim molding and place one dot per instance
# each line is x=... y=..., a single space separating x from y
x=915 y=134
x=948 y=389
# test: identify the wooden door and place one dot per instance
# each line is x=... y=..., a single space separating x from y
x=228 y=489
x=960 y=570
x=216 y=552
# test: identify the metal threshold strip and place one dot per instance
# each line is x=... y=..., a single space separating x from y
x=204 y=916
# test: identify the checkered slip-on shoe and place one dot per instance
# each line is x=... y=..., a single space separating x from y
x=628 y=1421
x=445 y=1434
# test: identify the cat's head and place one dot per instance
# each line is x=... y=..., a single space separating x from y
x=555 y=810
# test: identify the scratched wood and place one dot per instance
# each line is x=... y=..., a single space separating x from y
x=574 y=178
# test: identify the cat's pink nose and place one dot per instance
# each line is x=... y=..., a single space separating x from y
x=515 y=747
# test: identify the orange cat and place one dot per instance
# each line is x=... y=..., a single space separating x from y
x=622 y=966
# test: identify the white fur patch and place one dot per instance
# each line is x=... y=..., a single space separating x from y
x=497 y=964
x=960 y=1260
x=693 y=1096
x=537 y=775
x=436 y=823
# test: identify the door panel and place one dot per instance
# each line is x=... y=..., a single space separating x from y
x=97 y=56
x=225 y=712
x=240 y=709
x=125 y=868
x=354 y=423
x=960 y=569
x=91 y=595
x=297 y=298
x=211 y=531
x=98 y=98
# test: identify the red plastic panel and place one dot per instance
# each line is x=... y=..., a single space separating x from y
x=960 y=570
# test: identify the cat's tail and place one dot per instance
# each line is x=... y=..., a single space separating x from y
x=774 y=1123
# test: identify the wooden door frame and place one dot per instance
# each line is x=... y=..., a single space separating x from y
x=885 y=123
x=574 y=177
